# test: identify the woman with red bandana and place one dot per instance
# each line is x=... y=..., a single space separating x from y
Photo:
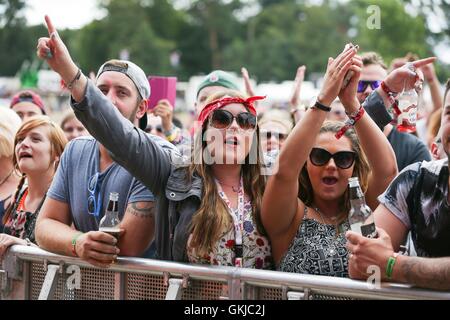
x=206 y=211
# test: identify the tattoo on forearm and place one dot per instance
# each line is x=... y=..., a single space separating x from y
x=144 y=210
x=433 y=273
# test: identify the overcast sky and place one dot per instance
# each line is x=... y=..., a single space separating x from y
x=71 y=14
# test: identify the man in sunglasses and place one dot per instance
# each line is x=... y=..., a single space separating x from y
x=275 y=126
x=407 y=148
x=418 y=200
x=86 y=176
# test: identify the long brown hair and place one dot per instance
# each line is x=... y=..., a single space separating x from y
x=57 y=139
x=212 y=219
x=361 y=170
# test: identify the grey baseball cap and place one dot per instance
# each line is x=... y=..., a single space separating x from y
x=136 y=74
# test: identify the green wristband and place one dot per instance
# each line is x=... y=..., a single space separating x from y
x=74 y=243
x=390 y=267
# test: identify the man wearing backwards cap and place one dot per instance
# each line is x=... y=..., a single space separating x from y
x=27 y=104
x=87 y=174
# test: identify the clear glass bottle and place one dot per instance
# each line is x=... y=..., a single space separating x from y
x=407 y=105
x=110 y=223
x=360 y=217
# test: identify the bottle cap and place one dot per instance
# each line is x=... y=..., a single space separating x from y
x=114 y=196
x=353 y=182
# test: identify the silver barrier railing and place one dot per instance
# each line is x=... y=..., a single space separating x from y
x=32 y=273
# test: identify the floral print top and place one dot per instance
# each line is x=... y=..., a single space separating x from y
x=257 y=253
x=23 y=222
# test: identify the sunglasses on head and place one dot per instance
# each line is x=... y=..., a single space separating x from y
x=342 y=159
x=269 y=134
x=222 y=119
x=363 y=84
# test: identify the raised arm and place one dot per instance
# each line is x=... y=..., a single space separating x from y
x=144 y=156
x=374 y=143
x=281 y=192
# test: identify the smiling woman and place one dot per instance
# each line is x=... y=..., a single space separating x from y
x=38 y=146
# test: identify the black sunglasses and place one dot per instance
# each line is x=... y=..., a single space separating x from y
x=362 y=85
x=269 y=134
x=343 y=159
x=222 y=119
x=158 y=128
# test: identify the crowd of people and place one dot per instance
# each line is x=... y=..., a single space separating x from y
x=239 y=187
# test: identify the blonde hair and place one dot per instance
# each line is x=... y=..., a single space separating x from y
x=212 y=219
x=67 y=116
x=57 y=139
x=361 y=169
x=9 y=124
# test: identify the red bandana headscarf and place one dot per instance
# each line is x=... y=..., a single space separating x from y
x=220 y=103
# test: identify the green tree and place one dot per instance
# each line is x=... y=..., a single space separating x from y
x=14 y=38
x=275 y=47
x=399 y=31
x=126 y=28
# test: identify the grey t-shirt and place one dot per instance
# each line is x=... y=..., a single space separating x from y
x=79 y=162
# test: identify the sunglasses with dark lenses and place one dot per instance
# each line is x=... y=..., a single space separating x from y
x=222 y=119
x=269 y=134
x=158 y=128
x=342 y=159
x=362 y=85
x=94 y=199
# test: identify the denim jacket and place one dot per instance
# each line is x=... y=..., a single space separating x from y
x=151 y=160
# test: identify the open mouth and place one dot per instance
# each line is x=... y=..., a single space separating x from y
x=24 y=155
x=232 y=141
x=329 y=181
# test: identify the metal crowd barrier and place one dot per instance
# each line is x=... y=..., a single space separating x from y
x=32 y=273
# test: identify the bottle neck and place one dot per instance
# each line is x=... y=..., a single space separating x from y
x=113 y=207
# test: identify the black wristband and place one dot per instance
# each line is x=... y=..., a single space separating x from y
x=322 y=107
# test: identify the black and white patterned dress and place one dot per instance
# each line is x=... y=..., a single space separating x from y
x=316 y=250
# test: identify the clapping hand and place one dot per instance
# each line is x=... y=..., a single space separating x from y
x=334 y=76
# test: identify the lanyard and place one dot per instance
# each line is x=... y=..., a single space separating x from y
x=238 y=219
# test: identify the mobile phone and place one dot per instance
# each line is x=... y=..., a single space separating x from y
x=162 y=88
x=350 y=73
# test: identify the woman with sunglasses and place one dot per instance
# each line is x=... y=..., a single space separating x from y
x=38 y=146
x=207 y=211
x=306 y=204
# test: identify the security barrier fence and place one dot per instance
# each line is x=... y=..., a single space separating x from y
x=32 y=273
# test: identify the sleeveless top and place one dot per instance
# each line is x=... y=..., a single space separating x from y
x=256 y=249
x=22 y=222
x=316 y=250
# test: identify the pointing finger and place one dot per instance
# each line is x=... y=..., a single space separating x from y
x=423 y=62
x=51 y=29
